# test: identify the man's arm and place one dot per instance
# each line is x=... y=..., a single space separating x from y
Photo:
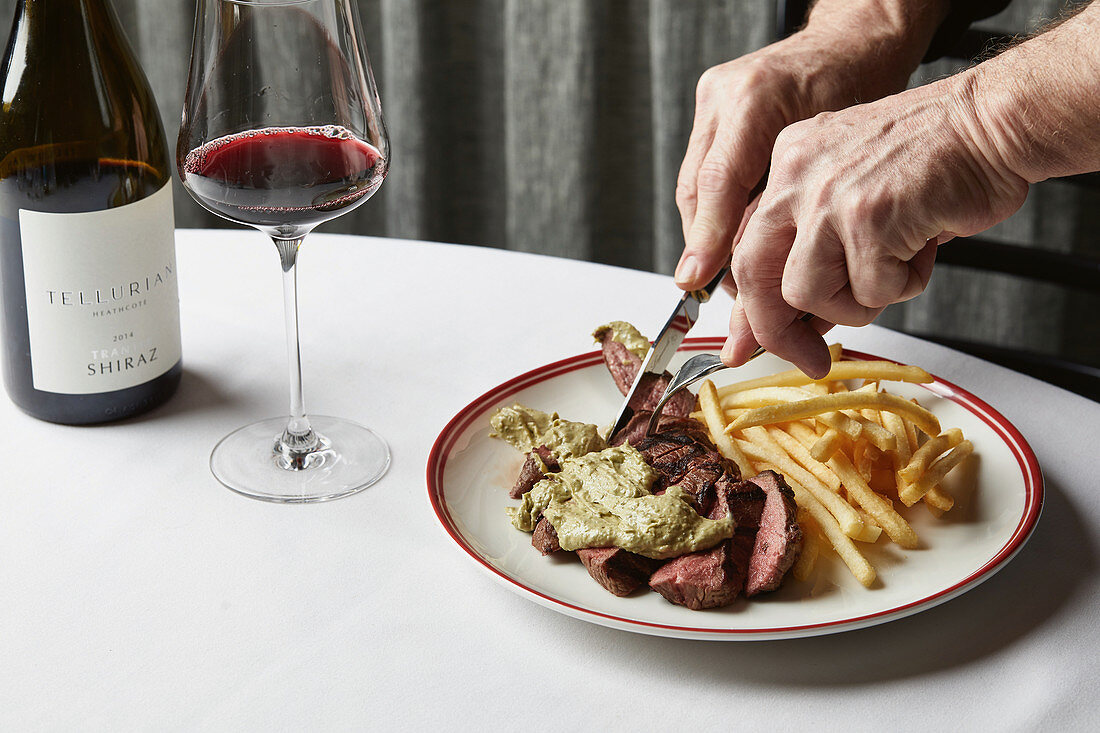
x=850 y=51
x=859 y=199
x=1037 y=105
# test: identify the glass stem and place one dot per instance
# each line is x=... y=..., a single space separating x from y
x=298 y=439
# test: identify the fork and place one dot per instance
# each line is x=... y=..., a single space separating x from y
x=692 y=371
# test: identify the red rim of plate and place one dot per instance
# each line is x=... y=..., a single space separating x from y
x=1005 y=430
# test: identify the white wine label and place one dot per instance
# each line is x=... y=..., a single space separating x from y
x=102 y=298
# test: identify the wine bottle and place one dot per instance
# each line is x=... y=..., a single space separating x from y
x=90 y=305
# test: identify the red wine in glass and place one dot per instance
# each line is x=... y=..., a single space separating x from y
x=282 y=130
x=284 y=176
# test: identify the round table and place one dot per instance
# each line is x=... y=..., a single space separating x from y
x=138 y=593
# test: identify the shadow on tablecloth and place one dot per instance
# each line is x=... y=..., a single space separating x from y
x=1019 y=599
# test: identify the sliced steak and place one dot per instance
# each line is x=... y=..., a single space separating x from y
x=651 y=390
x=715 y=577
x=620 y=361
x=617 y=570
x=779 y=538
x=743 y=500
x=698 y=580
x=635 y=429
x=531 y=472
x=624 y=365
x=545 y=537
x=682 y=453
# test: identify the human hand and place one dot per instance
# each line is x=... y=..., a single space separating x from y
x=856 y=204
x=742 y=105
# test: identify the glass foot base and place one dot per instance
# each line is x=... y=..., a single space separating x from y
x=348 y=459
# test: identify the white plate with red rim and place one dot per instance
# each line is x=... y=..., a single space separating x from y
x=998 y=493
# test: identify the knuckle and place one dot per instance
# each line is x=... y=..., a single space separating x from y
x=791 y=134
x=775 y=80
x=856 y=205
x=687 y=195
x=863 y=316
x=791 y=153
x=874 y=290
x=874 y=300
x=707 y=85
x=797 y=295
x=756 y=73
x=713 y=175
x=741 y=267
x=857 y=308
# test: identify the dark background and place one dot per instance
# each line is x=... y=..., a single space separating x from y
x=557 y=126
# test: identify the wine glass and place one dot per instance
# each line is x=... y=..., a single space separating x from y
x=282 y=130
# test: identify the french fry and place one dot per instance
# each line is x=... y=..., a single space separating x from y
x=878 y=436
x=712 y=416
x=821 y=446
x=912 y=493
x=763 y=396
x=921 y=417
x=838 y=421
x=873 y=415
x=797 y=451
x=762 y=447
x=938 y=500
x=842 y=543
x=869 y=412
x=811 y=546
x=902 y=450
x=862 y=458
x=932 y=449
x=849 y=422
x=885 y=371
x=826 y=445
x=911 y=432
x=893 y=523
x=871 y=530
x=845 y=452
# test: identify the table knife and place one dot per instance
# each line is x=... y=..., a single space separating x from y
x=667 y=342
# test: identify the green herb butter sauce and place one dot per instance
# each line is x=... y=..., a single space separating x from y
x=526 y=429
x=626 y=335
x=602 y=497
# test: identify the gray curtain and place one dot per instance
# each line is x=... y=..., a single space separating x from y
x=557 y=126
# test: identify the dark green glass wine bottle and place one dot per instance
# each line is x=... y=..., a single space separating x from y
x=89 y=323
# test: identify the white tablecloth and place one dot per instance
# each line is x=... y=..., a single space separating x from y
x=137 y=593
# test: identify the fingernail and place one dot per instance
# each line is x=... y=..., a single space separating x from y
x=687 y=271
x=727 y=350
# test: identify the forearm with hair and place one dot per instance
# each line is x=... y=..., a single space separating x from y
x=884 y=39
x=1035 y=109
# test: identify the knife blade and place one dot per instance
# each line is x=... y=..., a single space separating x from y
x=667 y=342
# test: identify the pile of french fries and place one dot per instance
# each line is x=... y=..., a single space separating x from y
x=848 y=452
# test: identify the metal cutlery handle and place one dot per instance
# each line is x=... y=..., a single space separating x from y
x=703 y=294
x=692 y=371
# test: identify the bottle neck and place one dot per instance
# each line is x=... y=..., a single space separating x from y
x=57 y=16
x=72 y=87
